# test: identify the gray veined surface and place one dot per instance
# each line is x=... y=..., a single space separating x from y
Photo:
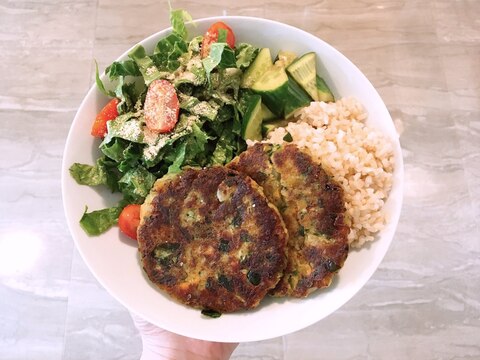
x=422 y=56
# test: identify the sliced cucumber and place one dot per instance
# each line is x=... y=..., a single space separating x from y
x=272 y=125
x=260 y=65
x=252 y=118
x=285 y=58
x=266 y=128
x=303 y=71
x=267 y=115
x=324 y=92
x=273 y=87
x=297 y=98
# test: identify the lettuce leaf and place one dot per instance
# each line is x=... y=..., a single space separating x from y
x=228 y=59
x=196 y=147
x=122 y=68
x=112 y=173
x=100 y=85
x=178 y=159
x=194 y=73
x=245 y=54
x=225 y=85
x=194 y=45
x=224 y=149
x=136 y=184
x=104 y=172
x=127 y=126
x=221 y=56
x=152 y=152
x=91 y=175
x=170 y=43
x=190 y=150
x=132 y=156
x=145 y=64
x=205 y=109
x=225 y=113
x=213 y=59
x=236 y=123
x=114 y=149
x=168 y=52
x=131 y=95
x=125 y=154
x=177 y=19
x=99 y=221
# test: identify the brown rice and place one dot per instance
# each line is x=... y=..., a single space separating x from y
x=360 y=158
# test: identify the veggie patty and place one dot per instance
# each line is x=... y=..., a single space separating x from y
x=312 y=206
x=210 y=238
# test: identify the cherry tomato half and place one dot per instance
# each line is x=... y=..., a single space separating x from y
x=129 y=220
x=161 y=106
x=211 y=36
x=109 y=112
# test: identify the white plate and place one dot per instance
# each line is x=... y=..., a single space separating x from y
x=113 y=259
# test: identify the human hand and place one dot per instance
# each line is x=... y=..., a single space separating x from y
x=165 y=345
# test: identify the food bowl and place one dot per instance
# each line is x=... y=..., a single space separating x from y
x=114 y=260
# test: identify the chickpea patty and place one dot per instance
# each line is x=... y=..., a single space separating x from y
x=211 y=239
x=312 y=206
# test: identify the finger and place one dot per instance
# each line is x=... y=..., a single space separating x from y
x=145 y=328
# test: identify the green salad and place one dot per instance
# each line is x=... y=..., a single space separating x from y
x=188 y=103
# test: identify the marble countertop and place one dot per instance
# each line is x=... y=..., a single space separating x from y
x=423 y=58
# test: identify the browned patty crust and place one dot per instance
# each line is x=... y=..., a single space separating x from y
x=210 y=238
x=312 y=206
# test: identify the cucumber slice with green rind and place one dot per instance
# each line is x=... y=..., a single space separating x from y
x=324 y=92
x=252 y=118
x=273 y=87
x=303 y=70
x=260 y=65
x=267 y=115
x=297 y=98
x=285 y=58
x=272 y=125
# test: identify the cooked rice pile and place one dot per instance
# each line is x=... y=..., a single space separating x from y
x=358 y=157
